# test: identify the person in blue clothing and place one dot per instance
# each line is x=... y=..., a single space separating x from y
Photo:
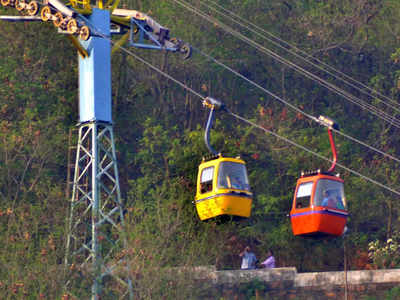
x=328 y=200
x=332 y=199
x=325 y=199
x=248 y=259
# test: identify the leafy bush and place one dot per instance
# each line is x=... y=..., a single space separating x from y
x=385 y=254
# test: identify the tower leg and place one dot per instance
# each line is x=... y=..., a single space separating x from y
x=96 y=239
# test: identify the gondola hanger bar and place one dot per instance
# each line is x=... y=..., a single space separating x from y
x=212 y=103
x=328 y=122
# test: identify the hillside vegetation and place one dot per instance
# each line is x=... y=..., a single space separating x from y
x=159 y=130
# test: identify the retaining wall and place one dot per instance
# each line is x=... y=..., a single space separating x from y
x=286 y=283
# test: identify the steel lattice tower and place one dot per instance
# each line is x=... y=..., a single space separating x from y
x=96 y=237
x=96 y=243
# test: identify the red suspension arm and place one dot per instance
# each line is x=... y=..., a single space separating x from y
x=333 y=147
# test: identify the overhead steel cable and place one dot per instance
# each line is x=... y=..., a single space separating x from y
x=361 y=87
x=184 y=86
x=293 y=106
x=379 y=113
x=313 y=64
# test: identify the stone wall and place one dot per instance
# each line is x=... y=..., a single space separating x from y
x=286 y=283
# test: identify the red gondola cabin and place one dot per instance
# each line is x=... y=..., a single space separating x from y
x=319 y=205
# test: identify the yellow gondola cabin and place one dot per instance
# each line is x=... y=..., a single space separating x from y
x=223 y=188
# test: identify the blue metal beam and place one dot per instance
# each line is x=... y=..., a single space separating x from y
x=95 y=72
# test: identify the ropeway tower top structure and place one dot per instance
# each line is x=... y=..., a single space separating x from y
x=96 y=240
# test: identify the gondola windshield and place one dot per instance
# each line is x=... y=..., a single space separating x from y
x=233 y=176
x=330 y=193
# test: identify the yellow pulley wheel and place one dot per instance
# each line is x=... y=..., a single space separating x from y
x=33 y=8
x=84 y=33
x=58 y=19
x=45 y=13
x=5 y=2
x=72 y=26
x=20 y=5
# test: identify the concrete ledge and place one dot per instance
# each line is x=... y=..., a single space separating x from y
x=321 y=279
x=298 y=280
x=286 y=283
x=265 y=275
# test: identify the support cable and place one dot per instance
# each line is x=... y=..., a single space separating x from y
x=293 y=106
x=351 y=98
x=308 y=74
x=362 y=88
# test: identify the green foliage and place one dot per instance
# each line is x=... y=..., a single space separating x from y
x=251 y=289
x=385 y=255
x=393 y=293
